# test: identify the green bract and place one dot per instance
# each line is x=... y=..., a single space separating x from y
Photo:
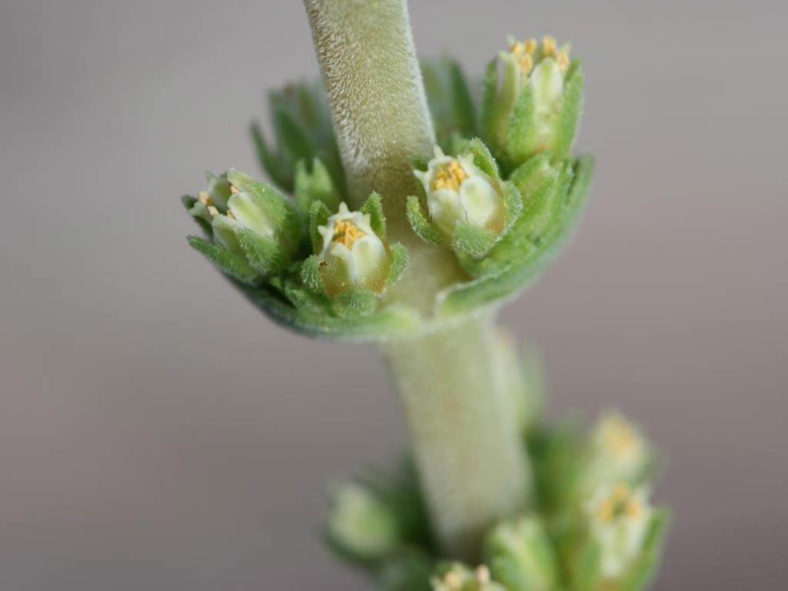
x=302 y=129
x=533 y=95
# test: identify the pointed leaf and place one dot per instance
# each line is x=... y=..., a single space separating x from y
x=230 y=263
x=373 y=206
x=420 y=224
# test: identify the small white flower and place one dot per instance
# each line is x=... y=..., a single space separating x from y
x=619 y=518
x=458 y=191
x=352 y=254
x=618 y=451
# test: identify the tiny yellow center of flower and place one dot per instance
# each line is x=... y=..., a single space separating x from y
x=549 y=45
x=620 y=503
x=346 y=232
x=523 y=52
x=449 y=176
x=563 y=61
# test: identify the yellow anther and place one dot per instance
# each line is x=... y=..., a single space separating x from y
x=449 y=176
x=482 y=574
x=234 y=190
x=212 y=211
x=549 y=45
x=620 y=503
x=205 y=199
x=530 y=46
x=526 y=63
x=517 y=48
x=346 y=232
x=563 y=61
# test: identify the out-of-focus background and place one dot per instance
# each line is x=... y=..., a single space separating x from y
x=157 y=433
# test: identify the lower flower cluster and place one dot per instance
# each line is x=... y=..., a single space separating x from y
x=590 y=524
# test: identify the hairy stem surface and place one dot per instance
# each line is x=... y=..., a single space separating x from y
x=464 y=439
x=463 y=434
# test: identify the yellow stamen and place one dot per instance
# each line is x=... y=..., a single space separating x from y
x=212 y=211
x=549 y=45
x=620 y=503
x=526 y=64
x=563 y=61
x=530 y=46
x=205 y=199
x=449 y=176
x=346 y=232
x=234 y=190
x=517 y=48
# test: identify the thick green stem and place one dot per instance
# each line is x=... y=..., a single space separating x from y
x=463 y=432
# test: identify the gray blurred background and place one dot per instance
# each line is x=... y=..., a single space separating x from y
x=157 y=433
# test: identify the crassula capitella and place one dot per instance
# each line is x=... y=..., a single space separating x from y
x=402 y=210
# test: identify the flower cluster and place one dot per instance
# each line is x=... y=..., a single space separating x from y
x=308 y=260
x=589 y=523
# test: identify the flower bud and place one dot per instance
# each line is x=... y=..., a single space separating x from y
x=619 y=452
x=521 y=556
x=619 y=518
x=459 y=192
x=533 y=100
x=362 y=526
x=352 y=254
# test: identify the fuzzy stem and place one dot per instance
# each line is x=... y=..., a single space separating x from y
x=464 y=436
x=463 y=433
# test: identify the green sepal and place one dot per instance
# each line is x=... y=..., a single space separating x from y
x=373 y=207
x=520 y=128
x=520 y=555
x=228 y=262
x=482 y=157
x=314 y=185
x=645 y=567
x=571 y=110
x=311 y=276
x=399 y=262
x=586 y=567
x=318 y=216
x=503 y=283
x=355 y=303
x=262 y=254
x=470 y=241
x=282 y=212
x=423 y=228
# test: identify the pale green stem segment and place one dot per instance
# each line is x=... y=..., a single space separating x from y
x=463 y=432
